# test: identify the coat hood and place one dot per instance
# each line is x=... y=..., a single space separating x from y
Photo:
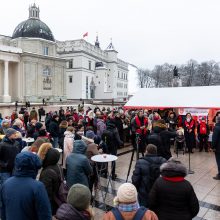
x=79 y=147
x=68 y=212
x=52 y=157
x=27 y=164
x=173 y=168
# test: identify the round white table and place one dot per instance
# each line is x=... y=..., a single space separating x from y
x=28 y=140
x=104 y=159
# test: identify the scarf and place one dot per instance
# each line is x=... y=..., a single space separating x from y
x=128 y=207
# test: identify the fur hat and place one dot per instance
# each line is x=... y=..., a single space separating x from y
x=127 y=194
x=79 y=196
x=173 y=168
x=43 y=150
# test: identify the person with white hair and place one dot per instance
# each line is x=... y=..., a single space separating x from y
x=127 y=206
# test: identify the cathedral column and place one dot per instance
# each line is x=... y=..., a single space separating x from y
x=6 y=97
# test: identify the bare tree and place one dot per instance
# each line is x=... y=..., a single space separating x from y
x=144 y=78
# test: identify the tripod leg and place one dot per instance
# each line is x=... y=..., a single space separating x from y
x=129 y=169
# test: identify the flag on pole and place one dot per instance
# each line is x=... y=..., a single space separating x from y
x=85 y=35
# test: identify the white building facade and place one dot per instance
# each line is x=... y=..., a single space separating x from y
x=93 y=73
x=34 y=66
x=29 y=65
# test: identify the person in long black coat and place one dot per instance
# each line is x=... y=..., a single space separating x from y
x=172 y=197
x=141 y=175
x=51 y=176
x=54 y=130
x=160 y=137
x=216 y=145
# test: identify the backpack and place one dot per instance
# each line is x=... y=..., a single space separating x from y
x=154 y=170
x=203 y=129
x=61 y=196
x=138 y=215
x=155 y=139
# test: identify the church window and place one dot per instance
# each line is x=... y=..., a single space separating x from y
x=90 y=65
x=70 y=64
x=46 y=71
x=70 y=79
x=46 y=51
x=87 y=87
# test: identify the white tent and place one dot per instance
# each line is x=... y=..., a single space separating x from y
x=176 y=97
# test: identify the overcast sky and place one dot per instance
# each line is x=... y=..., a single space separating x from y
x=145 y=32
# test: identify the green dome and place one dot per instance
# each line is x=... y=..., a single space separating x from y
x=33 y=28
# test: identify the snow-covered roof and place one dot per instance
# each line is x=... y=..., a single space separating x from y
x=10 y=49
x=176 y=97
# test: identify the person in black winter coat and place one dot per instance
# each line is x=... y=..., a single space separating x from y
x=54 y=130
x=111 y=138
x=172 y=121
x=216 y=145
x=161 y=138
x=119 y=125
x=50 y=176
x=9 y=148
x=142 y=173
x=172 y=197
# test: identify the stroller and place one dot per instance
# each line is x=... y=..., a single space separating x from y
x=180 y=143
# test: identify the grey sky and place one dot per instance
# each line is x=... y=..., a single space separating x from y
x=145 y=32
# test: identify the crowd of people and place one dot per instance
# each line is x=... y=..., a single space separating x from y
x=32 y=176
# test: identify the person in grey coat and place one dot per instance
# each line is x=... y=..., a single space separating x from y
x=78 y=166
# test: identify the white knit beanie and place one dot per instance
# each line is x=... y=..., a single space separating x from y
x=127 y=193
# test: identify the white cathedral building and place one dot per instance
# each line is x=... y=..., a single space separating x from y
x=33 y=66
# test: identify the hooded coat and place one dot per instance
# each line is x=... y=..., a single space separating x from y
x=172 y=197
x=68 y=212
x=161 y=138
x=50 y=176
x=78 y=166
x=22 y=196
x=101 y=126
x=141 y=176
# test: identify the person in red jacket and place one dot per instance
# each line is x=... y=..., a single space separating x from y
x=203 y=135
x=140 y=125
x=189 y=132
